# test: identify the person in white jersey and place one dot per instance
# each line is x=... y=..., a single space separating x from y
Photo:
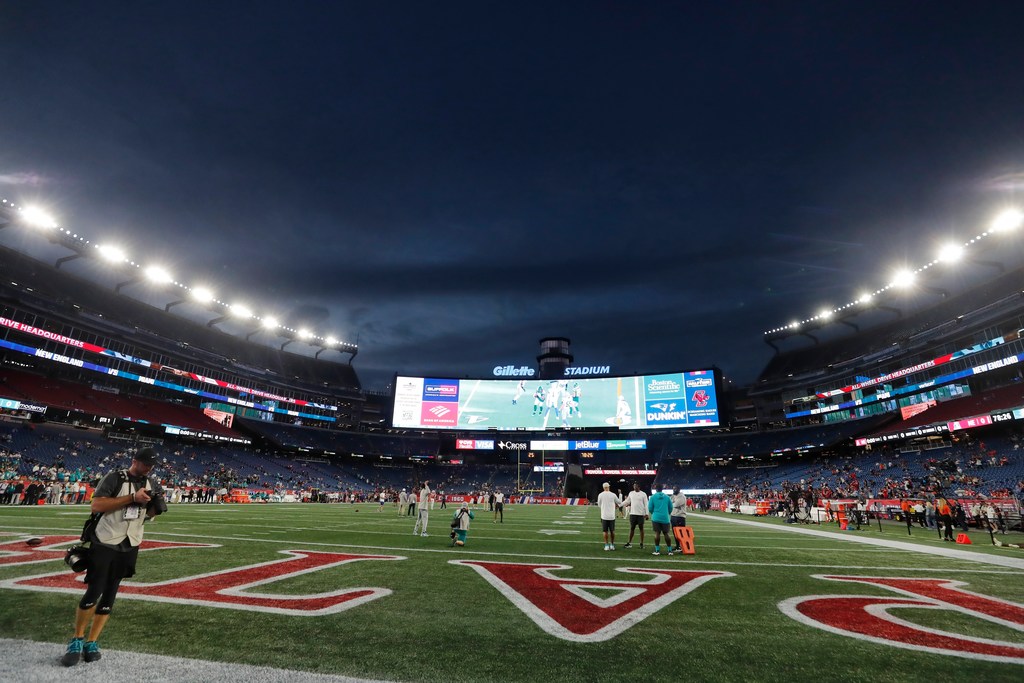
x=499 y=507
x=637 y=502
x=424 y=510
x=608 y=502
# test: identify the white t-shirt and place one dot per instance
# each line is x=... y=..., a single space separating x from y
x=499 y=498
x=609 y=503
x=637 y=503
x=424 y=495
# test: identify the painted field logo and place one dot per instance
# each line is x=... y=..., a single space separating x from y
x=52 y=548
x=868 y=617
x=235 y=588
x=587 y=610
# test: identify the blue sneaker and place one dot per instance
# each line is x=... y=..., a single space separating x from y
x=74 y=653
x=92 y=651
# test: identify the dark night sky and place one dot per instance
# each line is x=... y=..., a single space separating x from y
x=449 y=182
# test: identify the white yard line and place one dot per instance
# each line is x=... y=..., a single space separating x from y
x=852 y=537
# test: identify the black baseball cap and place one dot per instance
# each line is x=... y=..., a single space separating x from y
x=147 y=456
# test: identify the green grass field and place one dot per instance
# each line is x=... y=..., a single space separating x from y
x=439 y=621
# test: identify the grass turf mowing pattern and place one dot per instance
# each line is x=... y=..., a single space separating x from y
x=444 y=622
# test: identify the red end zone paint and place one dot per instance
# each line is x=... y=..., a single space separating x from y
x=230 y=588
x=868 y=617
x=567 y=609
x=53 y=548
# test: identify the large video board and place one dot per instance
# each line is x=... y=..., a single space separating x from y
x=663 y=401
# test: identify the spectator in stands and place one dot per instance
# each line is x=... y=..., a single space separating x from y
x=122 y=498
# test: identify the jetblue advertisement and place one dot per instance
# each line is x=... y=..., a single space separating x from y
x=665 y=401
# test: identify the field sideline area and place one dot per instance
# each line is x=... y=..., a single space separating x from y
x=347 y=591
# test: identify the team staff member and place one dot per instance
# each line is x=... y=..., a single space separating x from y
x=678 y=514
x=945 y=518
x=499 y=507
x=609 y=503
x=424 y=514
x=660 y=507
x=123 y=498
x=637 y=502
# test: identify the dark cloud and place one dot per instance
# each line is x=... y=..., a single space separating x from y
x=448 y=183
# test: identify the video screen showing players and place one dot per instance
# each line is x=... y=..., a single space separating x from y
x=672 y=400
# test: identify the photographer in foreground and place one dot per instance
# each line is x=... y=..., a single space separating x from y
x=125 y=499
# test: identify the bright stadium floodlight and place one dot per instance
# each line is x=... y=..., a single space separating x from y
x=111 y=253
x=37 y=218
x=331 y=341
x=270 y=323
x=241 y=311
x=304 y=334
x=202 y=295
x=951 y=253
x=903 y=278
x=864 y=298
x=159 y=275
x=825 y=313
x=1011 y=219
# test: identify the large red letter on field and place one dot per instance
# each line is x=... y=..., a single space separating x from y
x=566 y=608
x=869 y=618
x=53 y=547
x=228 y=588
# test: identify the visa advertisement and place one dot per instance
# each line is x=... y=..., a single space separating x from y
x=663 y=401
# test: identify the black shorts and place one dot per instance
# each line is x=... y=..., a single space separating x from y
x=499 y=507
x=607 y=525
x=678 y=521
x=107 y=564
x=662 y=527
x=636 y=521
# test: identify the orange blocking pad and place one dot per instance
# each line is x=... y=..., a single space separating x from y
x=963 y=539
x=684 y=535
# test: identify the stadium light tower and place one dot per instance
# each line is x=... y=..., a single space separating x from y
x=112 y=253
x=1008 y=220
x=903 y=279
x=267 y=323
x=155 y=274
x=234 y=311
x=951 y=253
x=302 y=334
x=158 y=275
x=37 y=218
x=329 y=343
x=199 y=294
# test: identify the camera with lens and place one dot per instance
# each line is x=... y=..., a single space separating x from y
x=157 y=505
x=77 y=557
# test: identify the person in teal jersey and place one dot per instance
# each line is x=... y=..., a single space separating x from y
x=660 y=507
x=460 y=525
